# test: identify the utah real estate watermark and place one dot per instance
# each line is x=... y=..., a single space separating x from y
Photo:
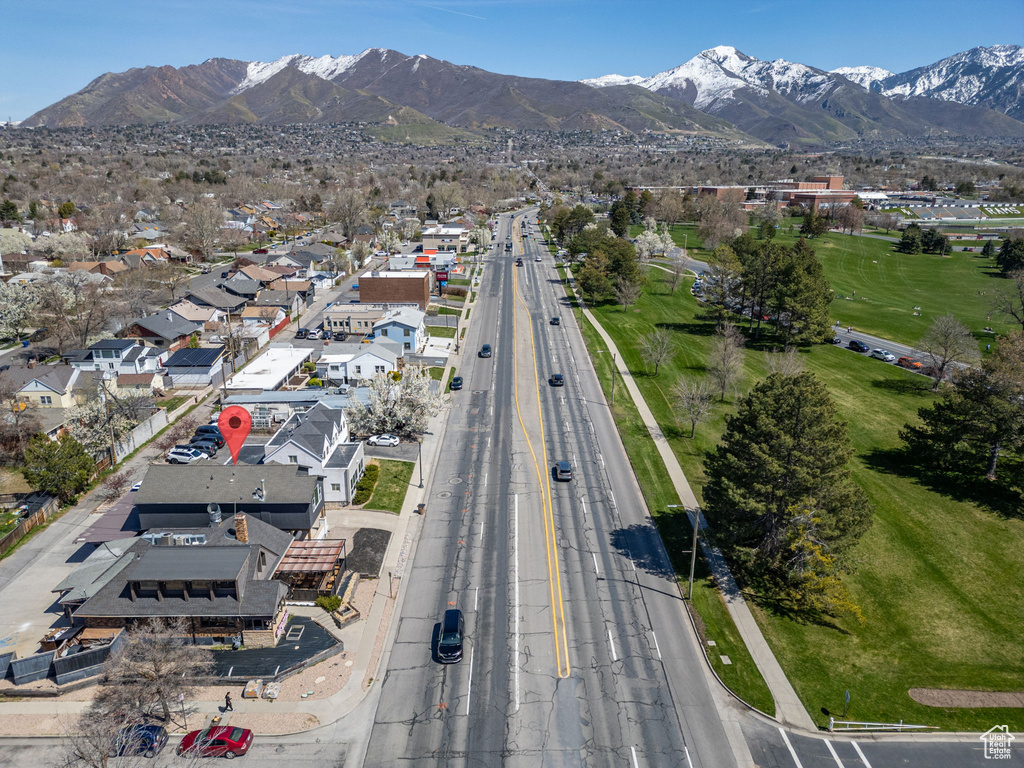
x=997 y=740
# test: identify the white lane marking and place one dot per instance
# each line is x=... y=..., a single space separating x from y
x=584 y=503
x=476 y=598
x=469 y=688
x=833 y=753
x=635 y=763
x=515 y=548
x=486 y=474
x=656 y=646
x=596 y=569
x=612 y=642
x=792 y=751
x=860 y=754
x=688 y=762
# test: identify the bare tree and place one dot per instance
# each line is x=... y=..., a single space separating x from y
x=850 y=218
x=202 y=221
x=171 y=278
x=627 y=292
x=725 y=360
x=719 y=220
x=115 y=485
x=948 y=341
x=676 y=273
x=19 y=421
x=657 y=348
x=349 y=210
x=785 y=363
x=1007 y=301
x=695 y=399
x=96 y=738
x=669 y=206
x=75 y=307
x=156 y=666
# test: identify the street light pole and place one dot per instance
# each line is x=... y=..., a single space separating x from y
x=693 y=552
x=420 y=461
x=613 y=379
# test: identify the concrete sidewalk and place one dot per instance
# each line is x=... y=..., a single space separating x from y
x=788 y=707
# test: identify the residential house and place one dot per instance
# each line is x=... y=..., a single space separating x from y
x=402 y=210
x=363 y=234
x=211 y=296
x=146 y=230
x=406 y=325
x=203 y=318
x=193 y=368
x=262 y=315
x=219 y=577
x=287 y=300
x=147 y=384
x=356 y=318
x=166 y=330
x=317 y=443
x=121 y=356
x=349 y=363
x=303 y=288
x=260 y=274
x=146 y=257
x=335 y=238
x=178 y=496
x=109 y=268
x=44 y=386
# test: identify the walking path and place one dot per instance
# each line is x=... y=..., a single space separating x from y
x=788 y=707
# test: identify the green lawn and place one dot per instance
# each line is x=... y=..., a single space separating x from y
x=449 y=311
x=934 y=575
x=890 y=286
x=392 y=484
x=436 y=373
x=442 y=332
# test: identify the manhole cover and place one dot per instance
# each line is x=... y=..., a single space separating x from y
x=444 y=495
x=455 y=481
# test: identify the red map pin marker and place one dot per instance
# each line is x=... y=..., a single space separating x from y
x=235 y=424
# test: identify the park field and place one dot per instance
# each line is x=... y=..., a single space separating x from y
x=889 y=294
x=937 y=576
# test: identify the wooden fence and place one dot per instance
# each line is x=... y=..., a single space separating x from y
x=39 y=512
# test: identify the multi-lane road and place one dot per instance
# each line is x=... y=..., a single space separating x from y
x=578 y=649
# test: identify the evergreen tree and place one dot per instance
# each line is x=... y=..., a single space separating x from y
x=61 y=468
x=803 y=295
x=784 y=454
x=910 y=242
x=67 y=210
x=632 y=203
x=989 y=250
x=9 y=211
x=766 y=230
x=619 y=218
x=1011 y=255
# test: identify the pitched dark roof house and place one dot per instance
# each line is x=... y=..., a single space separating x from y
x=165 y=330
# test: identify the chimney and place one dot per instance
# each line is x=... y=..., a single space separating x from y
x=241 y=528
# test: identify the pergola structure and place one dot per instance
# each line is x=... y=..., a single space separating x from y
x=312 y=567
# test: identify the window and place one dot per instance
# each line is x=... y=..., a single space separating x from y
x=335 y=486
x=378 y=369
x=45 y=400
x=293 y=459
x=406 y=332
x=359 y=370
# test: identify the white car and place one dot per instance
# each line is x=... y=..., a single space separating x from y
x=383 y=440
x=182 y=455
x=537 y=259
x=883 y=354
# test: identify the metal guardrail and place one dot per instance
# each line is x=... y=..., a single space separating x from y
x=856 y=725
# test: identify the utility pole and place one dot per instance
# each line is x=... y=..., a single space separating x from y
x=613 y=379
x=110 y=425
x=419 y=445
x=693 y=552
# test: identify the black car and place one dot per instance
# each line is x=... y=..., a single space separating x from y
x=557 y=380
x=301 y=333
x=211 y=432
x=485 y=350
x=858 y=346
x=147 y=740
x=453 y=630
x=456 y=383
x=556 y=321
x=340 y=336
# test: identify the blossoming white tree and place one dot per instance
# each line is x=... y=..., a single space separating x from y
x=399 y=404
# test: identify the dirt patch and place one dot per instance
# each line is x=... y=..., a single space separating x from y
x=951 y=699
x=12 y=481
x=36 y=725
x=378 y=644
x=367 y=553
x=268 y=723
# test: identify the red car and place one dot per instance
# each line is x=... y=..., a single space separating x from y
x=223 y=741
x=260 y=250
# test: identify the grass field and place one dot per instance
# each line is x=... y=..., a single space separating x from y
x=938 y=576
x=392 y=485
x=442 y=332
x=890 y=286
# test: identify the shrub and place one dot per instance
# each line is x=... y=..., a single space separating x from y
x=329 y=603
x=314 y=382
x=364 y=488
x=308 y=367
x=454 y=291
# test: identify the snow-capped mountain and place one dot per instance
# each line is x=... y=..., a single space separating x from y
x=715 y=75
x=863 y=76
x=987 y=77
x=324 y=67
x=601 y=82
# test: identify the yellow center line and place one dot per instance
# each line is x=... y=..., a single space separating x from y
x=550 y=538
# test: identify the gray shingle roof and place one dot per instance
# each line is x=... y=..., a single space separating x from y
x=167 y=563
x=56 y=377
x=169 y=328
x=223 y=483
x=215 y=297
x=343 y=455
x=312 y=430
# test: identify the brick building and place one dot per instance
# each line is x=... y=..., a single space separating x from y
x=411 y=286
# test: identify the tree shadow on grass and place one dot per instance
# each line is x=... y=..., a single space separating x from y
x=998 y=497
x=903 y=386
x=766 y=588
x=692 y=329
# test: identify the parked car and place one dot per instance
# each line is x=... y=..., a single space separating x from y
x=340 y=336
x=383 y=440
x=883 y=354
x=557 y=380
x=204 y=444
x=456 y=383
x=135 y=487
x=909 y=362
x=183 y=454
x=453 y=632
x=260 y=250
x=485 y=350
x=146 y=740
x=222 y=741
x=858 y=346
x=302 y=333
x=556 y=321
x=563 y=470
x=211 y=431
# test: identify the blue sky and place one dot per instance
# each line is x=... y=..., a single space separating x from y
x=53 y=48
